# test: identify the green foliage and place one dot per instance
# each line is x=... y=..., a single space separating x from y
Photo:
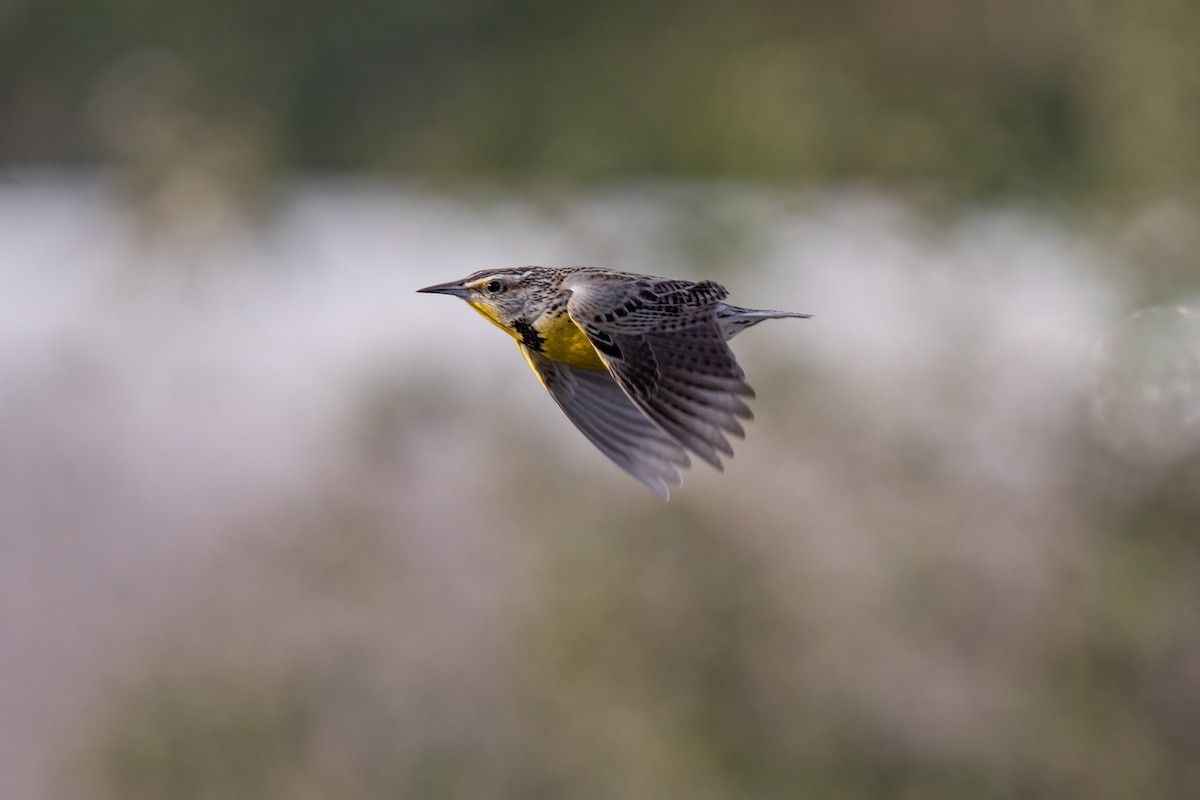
x=205 y=737
x=1081 y=100
x=653 y=651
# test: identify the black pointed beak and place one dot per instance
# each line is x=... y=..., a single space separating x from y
x=454 y=288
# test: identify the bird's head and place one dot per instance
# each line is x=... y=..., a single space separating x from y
x=502 y=295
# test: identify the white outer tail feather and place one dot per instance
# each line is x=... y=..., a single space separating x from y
x=735 y=319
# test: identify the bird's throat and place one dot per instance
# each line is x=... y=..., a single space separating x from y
x=555 y=336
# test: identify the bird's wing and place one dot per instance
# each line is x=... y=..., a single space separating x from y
x=662 y=343
x=599 y=408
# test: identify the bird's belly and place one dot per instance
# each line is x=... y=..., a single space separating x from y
x=565 y=341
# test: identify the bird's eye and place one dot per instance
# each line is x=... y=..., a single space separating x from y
x=494 y=286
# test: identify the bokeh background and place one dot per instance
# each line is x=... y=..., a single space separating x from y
x=272 y=525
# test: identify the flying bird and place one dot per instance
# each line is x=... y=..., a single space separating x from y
x=640 y=364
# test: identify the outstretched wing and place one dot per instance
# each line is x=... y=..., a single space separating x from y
x=663 y=345
x=600 y=409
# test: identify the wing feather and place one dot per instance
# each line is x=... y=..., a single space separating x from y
x=600 y=409
x=664 y=346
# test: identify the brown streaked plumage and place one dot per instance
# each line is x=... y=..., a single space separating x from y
x=640 y=364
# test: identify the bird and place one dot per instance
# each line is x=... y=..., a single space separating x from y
x=640 y=364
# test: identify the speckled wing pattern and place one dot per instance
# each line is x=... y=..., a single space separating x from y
x=600 y=409
x=664 y=347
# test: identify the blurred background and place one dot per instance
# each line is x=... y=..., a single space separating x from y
x=272 y=525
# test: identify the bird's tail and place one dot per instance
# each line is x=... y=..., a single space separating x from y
x=735 y=319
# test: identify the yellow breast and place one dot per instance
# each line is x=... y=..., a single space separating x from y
x=565 y=341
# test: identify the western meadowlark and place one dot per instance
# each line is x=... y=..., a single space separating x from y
x=640 y=364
